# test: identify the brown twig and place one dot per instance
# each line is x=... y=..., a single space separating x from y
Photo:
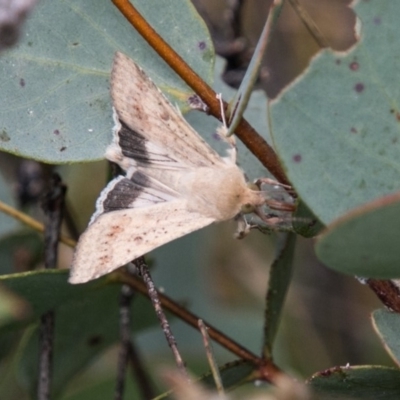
x=188 y=317
x=53 y=205
x=128 y=353
x=245 y=132
x=210 y=357
x=309 y=23
x=140 y=374
x=31 y=222
x=157 y=304
x=387 y=292
x=125 y=340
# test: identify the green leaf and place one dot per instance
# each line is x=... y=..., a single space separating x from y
x=361 y=382
x=55 y=105
x=336 y=129
x=387 y=326
x=365 y=241
x=86 y=321
x=279 y=280
x=304 y=221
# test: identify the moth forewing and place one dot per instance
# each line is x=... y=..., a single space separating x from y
x=144 y=109
x=174 y=182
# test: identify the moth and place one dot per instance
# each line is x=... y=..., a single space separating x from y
x=174 y=182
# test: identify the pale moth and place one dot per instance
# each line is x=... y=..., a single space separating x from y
x=174 y=182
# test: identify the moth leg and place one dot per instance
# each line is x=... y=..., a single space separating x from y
x=284 y=204
x=272 y=182
x=243 y=227
x=274 y=222
x=279 y=205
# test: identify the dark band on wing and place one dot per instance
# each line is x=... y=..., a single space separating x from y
x=133 y=144
x=122 y=195
x=127 y=193
x=136 y=146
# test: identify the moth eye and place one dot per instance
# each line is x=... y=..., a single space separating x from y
x=247 y=208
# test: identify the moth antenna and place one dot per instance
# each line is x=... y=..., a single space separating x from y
x=222 y=132
x=222 y=108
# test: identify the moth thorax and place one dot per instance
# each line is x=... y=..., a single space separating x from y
x=218 y=193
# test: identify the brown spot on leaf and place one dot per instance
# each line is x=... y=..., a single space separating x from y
x=63 y=148
x=353 y=130
x=354 y=66
x=297 y=158
x=359 y=87
x=4 y=136
x=22 y=82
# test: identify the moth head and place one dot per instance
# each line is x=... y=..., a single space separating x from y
x=254 y=201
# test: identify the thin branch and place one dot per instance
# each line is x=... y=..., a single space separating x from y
x=265 y=369
x=188 y=317
x=31 y=222
x=155 y=299
x=125 y=339
x=53 y=206
x=245 y=132
x=387 y=292
x=211 y=359
x=140 y=374
x=309 y=23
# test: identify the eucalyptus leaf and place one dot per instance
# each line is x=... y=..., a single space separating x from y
x=336 y=129
x=359 y=382
x=365 y=241
x=55 y=105
x=387 y=326
x=87 y=322
x=279 y=281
